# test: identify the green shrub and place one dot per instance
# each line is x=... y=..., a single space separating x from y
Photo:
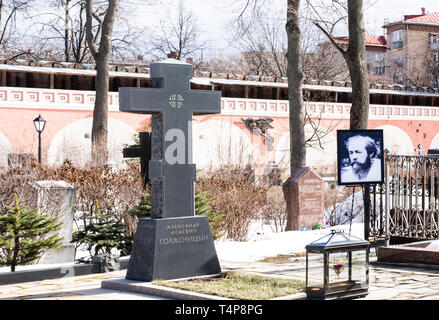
x=102 y=233
x=143 y=209
x=24 y=235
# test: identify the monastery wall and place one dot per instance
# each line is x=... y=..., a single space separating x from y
x=218 y=139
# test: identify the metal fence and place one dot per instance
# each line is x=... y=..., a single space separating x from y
x=410 y=196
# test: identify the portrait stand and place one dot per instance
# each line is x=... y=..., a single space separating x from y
x=360 y=161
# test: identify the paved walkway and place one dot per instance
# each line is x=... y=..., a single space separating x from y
x=386 y=283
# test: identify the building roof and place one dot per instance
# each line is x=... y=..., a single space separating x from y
x=370 y=40
x=379 y=41
x=209 y=78
x=427 y=18
x=421 y=19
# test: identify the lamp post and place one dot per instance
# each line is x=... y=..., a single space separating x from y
x=39 y=124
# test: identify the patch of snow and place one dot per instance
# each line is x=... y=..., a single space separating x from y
x=270 y=245
x=433 y=245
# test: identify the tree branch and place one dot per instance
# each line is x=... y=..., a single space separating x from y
x=91 y=41
x=331 y=39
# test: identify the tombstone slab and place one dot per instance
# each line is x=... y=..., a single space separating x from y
x=303 y=194
x=57 y=199
x=173 y=243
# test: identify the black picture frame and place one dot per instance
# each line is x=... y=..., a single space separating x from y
x=367 y=169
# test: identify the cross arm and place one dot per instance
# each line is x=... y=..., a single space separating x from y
x=205 y=102
x=142 y=100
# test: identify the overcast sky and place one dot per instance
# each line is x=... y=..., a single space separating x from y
x=394 y=10
x=214 y=16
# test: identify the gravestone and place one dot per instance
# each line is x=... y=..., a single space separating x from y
x=143 y=151
x=57 y=199
x=303 y=194
x=173 y=243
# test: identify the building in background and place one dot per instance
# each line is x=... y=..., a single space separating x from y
x=376 y=49
x=413 y=49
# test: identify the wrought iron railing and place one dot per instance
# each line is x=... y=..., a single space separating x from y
x=412 y=199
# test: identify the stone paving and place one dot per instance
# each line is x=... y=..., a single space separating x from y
x=387 y=282
x=70 y=288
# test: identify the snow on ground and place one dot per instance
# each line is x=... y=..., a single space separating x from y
x=263 y=242
x=271 y=244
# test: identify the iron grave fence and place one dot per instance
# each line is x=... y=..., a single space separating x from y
x=408 y=201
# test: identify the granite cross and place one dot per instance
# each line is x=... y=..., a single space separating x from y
x=172 y=104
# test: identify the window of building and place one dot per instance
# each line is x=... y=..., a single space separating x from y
x=397 y=37
x=435 y=56
x=434 y=38
x=379 y=70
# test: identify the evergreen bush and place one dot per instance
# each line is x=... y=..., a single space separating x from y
x=102 y=233
x=24 y=235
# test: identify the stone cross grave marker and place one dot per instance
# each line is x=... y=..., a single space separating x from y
x=143 y=152
x=174 y=243
x=172 y=105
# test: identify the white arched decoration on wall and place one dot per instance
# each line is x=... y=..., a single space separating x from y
x=396 y=140
x=435 y=142
x=73 y=142
x=282 y=152
x=315 y=156
x=5 y=149
x=217 y=143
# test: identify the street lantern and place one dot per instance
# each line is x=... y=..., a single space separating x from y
x=39 y=124
x=337 y=267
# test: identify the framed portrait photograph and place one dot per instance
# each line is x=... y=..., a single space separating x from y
x=360 y=158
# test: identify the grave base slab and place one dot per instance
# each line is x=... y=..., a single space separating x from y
x=173 y=248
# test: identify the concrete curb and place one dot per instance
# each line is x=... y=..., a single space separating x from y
x=66 y=270
x=149 y=288
x=405 y=265
x=172 y=293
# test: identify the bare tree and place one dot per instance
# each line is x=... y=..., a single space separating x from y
x=431 y=65
x=355 y=57
x=264 y=46
x=324 y=63
x=62 y=28
x=9 y=9
x=179 y=35
x=65 y=31
x=100 y=47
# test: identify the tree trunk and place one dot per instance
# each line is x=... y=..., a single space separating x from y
x=15 y=254
x=101 y=55
x=295 y=95
x=99 y=131
x=356 y=61
x=67 y=31
x=296 y=105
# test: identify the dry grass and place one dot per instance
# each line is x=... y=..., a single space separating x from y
x=240 y=286
x=280 y=258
